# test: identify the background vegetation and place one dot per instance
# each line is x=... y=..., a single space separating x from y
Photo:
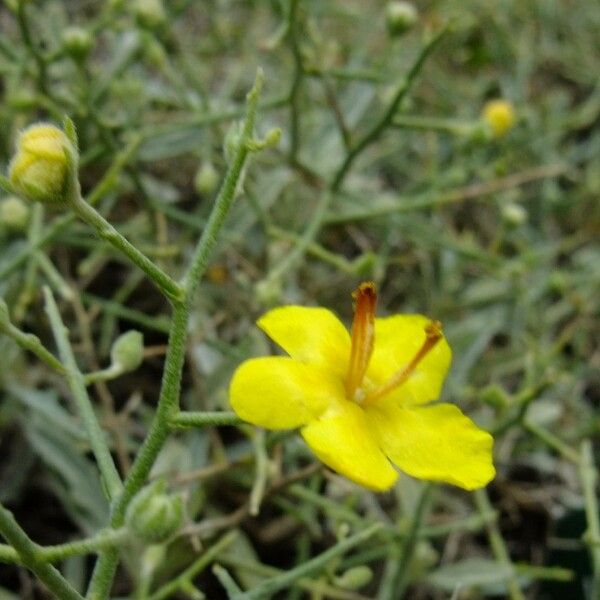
x=493 y=236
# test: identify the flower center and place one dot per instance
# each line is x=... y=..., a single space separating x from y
x=363 y=341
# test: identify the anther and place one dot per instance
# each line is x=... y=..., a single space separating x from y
x=363 y=336
x=433 y=334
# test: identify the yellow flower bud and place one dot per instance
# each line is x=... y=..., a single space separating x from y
x=499 y=116
x=39 y=170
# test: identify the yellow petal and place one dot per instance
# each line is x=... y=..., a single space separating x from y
x=434 y=442
x=309 y=334
x=278 y=392
x=342 y=440
x=397 y=340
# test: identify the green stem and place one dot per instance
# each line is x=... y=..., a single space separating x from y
x=497 y=542
x=108 y=182
x=50 y=554
x=306 y=584
x=320 y=211
x=171 y=588
x=107 y=232
x=589 y=480
x=186 y=419
x=552 y=441
x=27 y=39
x=106 y=465
x=315 y=565
x=168 y=402
x=431 y=124
x=395 y=583
x=385 y=120
x=159 y=429
x=226 y=195
x=107 y=374
x=30 y=342
x=292 y=30
x=28 y=552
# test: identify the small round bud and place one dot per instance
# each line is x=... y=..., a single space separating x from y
x=128 y=351
x=268 y=291
x=232 y=140
x=499 y=115
x=514 y=214
x=14 y=213
x=39 y=171
x=354 y=578
x=77 y=42
x=150 y=13
x=153 y=515
x=400 y=17
x=206 y=179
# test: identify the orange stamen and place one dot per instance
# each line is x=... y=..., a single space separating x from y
x=363 y=336
x=434 y=334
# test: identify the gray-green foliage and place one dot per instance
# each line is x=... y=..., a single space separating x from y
x=495 y=237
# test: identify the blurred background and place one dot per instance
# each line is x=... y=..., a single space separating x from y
x=488 y=223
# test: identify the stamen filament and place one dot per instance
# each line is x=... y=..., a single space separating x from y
x=434 y=334
x=363 y=336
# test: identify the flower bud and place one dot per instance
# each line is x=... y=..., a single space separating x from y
x=14 y=213
x=206 y=179
x=268 y=291
x=499 y=115
x=128 y=351
x=153 y=515
x=77 y=42
x=39 y=170
x=514 y=214
x=354 y=578
x=400 y=17
x=150 y=13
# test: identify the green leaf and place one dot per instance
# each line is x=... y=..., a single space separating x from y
x=470 y=573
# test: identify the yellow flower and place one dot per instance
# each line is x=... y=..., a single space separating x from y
x=500 y=116
x=361 y=400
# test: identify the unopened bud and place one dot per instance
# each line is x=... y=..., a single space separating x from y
x=77 y=42
x=354 y=578
x=128 y=351
x=153 y=515
x=499 y=115
x=268 y=291
x=206 y=179
x=150 y=13
x=400 y=17
x=514 y=214
x=39 y=170
x=14 y=213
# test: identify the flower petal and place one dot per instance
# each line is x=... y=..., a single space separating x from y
x=278 y=392
x=310 y=334
x=434 y=442
x=397 y=340
x=342 y=440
